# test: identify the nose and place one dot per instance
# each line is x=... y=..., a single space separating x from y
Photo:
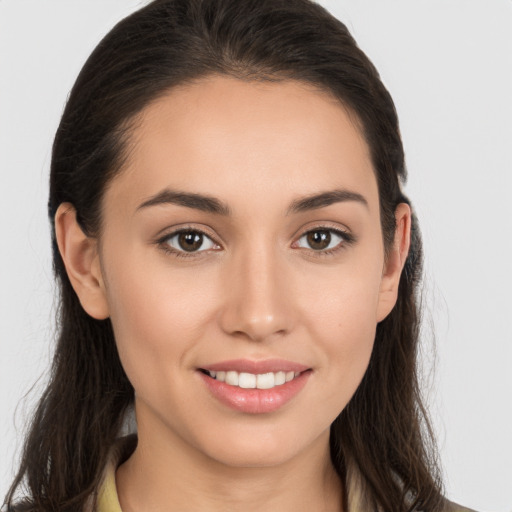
x=258 y=297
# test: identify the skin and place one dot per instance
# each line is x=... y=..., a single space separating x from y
x=257 y=291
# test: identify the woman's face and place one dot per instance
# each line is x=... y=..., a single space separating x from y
x=243 y=236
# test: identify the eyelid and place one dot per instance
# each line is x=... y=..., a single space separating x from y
x=325 y=226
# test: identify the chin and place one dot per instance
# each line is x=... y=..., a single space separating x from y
x=256 y=456
x=262 y=448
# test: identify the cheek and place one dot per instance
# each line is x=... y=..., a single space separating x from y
x=341 y=315
x=342 y=303
x=157 y=317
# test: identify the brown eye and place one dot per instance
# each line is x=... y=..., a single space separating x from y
x=319 y=239
x=190 y=241
x=322 y=239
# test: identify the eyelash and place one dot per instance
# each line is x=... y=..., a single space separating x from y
x=163 y=242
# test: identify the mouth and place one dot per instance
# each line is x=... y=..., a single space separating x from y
x=247 y=380
x=255 y=387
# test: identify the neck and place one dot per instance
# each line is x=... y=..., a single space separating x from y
x=166 y=473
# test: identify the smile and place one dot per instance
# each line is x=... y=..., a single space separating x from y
x=255 y=387
x=246 y=380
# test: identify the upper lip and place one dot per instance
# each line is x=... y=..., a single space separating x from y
x=256 y=367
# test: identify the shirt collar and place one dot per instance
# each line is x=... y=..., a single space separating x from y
x=107 y=499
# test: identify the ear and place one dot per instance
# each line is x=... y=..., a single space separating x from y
x=81 y=259
x=395 y=262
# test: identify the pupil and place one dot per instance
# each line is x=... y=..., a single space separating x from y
x=190 y=241
x=319 y=239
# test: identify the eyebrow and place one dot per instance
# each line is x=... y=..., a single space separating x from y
x=315 y=201
x=190 y=200
x=213 y=205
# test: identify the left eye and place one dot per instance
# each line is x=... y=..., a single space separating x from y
x=190 y=241
x=321 y=239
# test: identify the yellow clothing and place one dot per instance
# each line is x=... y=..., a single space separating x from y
x=107 y=500
x=107 y=496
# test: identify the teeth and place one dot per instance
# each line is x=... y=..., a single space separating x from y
x=232 y=378
x=247 y=380
x=279 y=378
x=265 y=381
x=251 y=381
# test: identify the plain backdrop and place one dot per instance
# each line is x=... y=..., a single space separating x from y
x=448 y=66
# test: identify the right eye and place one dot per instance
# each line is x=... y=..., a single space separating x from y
x=188 y=241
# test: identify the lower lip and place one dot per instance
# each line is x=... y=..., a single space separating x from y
x=255 y=401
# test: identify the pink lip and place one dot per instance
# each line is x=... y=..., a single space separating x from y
x=256 y=367
x=256 y=401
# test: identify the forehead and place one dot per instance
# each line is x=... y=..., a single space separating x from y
x=239 y=140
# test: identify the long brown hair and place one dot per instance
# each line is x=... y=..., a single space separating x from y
x=381 y=443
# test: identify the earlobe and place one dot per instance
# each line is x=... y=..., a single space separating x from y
x=395 y=262
x=81 y=259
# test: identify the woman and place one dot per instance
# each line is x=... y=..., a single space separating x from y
x=237 y=261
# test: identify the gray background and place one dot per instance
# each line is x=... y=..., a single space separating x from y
x=447 y=64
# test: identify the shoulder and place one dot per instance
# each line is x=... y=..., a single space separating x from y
x=104 y=499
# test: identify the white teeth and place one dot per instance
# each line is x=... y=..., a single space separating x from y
x=279 y=378
x=232 y=378
x=247 y=380
x=265 y=381
x=250 y=380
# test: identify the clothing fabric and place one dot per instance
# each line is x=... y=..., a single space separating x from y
x=107 y=499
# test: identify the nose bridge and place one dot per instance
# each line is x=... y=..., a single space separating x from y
x=257 y=304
